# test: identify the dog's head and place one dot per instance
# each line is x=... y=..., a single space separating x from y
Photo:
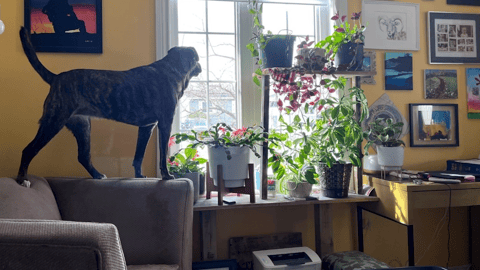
x=187 y=59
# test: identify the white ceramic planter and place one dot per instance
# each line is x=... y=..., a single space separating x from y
x=299 y=190
x=390 y=156
x=370 y=164
x=235 y=170
x=305 y=52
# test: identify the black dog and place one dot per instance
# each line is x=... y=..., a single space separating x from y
x=144 y=96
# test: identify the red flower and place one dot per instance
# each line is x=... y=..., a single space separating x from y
x=239 y=132
x=171 y=141
x=222 y=129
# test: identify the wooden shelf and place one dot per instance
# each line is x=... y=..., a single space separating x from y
x=279 y=200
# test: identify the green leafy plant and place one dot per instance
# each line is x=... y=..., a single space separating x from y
x=385 y=132
x=185 y=161
x=343 y=33
x=222 y=135
x=337 y=131
x=291 y=153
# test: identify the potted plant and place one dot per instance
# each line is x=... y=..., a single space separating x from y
x=346 y=42
x=187 y=163
x=310 y=58
x=291 y=158
x=338 y=135
x=385 y=135
x=229 y=148
x=269 y=50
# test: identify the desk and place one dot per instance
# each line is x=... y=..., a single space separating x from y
x=322 y=216
x=399 y=199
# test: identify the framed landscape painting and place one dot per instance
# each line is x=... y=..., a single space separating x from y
x=441 y=84
x=433 y=125
x=398 y=71
x=464 y=2
x=453 y=38
x=65 y=25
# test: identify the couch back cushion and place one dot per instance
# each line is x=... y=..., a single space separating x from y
x=19 y=202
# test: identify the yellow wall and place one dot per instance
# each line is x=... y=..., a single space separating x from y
x=129 y=41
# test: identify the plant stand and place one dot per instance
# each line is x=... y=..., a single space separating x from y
x=248 y=189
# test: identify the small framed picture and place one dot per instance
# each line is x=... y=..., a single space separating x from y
x=369 y=64
x=473 y=93
x=216 y=265
x=398 y=71
x=65 y=26
x=453 y=38
x=433 y=125
x=392 y=25
x=441 y=84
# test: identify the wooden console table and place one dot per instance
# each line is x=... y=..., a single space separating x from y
x=400 y=199
x=322 y=215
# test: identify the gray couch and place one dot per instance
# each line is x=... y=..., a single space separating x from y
x=62 y=223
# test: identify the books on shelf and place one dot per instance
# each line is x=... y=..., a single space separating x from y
x=467 y=165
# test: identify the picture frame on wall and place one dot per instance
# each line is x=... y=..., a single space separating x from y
x=398 y=71
x=433 y=125
x=464 y=2
x=441 y=84
x=391 y=25
x=453 y=38
x=65 y=26
x=370 y=65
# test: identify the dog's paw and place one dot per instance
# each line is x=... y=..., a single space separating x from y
x=26 y=183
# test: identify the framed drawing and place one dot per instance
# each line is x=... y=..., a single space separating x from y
x=464 y=2
x=433 y=125
x=473 y=93
x=218 y=265
x=398 y=71
x=391 y=25
x=369 y=64
x=453 y=38
x=441 y=84
x=65 y=26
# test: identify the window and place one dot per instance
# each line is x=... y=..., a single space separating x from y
x=219 y=30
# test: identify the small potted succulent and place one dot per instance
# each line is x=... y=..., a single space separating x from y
x=187 y=163
x=228 y=147
x=385 y=135
x=346 y=42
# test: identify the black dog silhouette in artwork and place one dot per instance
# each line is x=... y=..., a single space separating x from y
x=144 y=96
x=62 y=16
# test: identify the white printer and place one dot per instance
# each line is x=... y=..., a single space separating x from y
x=301 y=258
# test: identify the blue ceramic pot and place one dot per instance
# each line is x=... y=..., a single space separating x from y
x=350 y=57
x=278 y=52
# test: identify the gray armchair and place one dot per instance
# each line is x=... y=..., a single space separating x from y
x=96 y=224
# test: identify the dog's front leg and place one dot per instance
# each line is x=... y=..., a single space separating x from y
x=164 y=133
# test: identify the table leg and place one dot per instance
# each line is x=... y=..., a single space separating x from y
x=208 y=220
x=323 y=229
x=474 y=213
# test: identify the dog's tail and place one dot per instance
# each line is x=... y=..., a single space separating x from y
x=29 y=50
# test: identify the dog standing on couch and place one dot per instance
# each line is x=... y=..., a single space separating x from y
x=144 y=96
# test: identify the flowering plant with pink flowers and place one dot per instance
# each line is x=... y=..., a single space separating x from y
x=222 y=135
x=343 y=33
x=186 y=160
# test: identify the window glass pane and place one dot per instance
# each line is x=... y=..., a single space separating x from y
x=300 y=18
x=223 y=104
x=199 y=42
x=193 y=109
x=191 y=16
x=221 y=17
x=222 y=57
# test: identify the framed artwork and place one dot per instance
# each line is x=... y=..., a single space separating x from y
x=453 y=38
x=464 y=2
x=473 y=95
x=398 y=71
x=433 y=125
x=391 y=25
x=217 y=265
x=441 y=84
x=65 y=25
x=369 y=64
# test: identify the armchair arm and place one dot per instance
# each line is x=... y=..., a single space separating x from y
x=46 y=244
x=154 y=217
